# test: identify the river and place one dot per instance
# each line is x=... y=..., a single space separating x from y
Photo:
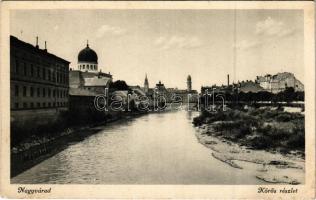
x=158 y=148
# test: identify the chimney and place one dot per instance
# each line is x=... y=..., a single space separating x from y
x=45 y=47
x=36 y=42
x=227 y=79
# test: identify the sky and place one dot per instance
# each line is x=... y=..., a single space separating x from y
x=169 y=45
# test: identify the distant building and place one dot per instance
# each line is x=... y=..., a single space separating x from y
x=87 y=76
x=271 y=83
x=248 y=86
x=39 y=84
x=279 y=82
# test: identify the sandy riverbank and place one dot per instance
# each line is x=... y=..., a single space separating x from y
x=271 y=167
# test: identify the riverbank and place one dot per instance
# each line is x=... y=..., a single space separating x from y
x=250 y=148
x=36 y=149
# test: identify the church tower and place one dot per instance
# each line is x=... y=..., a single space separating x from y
x=146 y=85
x=189 y=83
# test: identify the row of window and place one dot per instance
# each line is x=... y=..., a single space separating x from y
x=40 y=92
x=40 y=105
x=88 y=67
x=45 y=74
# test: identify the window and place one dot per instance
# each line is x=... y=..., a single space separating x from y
x=38 y=104
x=49 y=75
x=24 y=91
x=49 y=92
x=38 y=72
x=83 y=66
x=24 y=105
x=31 y=91
x=57 y=93
x=32 y=105
x=16 y=90
x=16 y=105
x=24 y=69
x=44 y=92
x=54 y=104
x=17 y=66
x=44 y=73
x=38 y=92
x=54 y=93
x=49 y=104
x=44 y=104
x=32 y=70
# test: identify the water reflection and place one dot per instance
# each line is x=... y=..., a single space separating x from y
x=158 y=148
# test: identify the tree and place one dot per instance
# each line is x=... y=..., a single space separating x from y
x=119 y=85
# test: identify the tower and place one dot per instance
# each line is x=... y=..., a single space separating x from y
x=189 y=83
x=227 y=79
x=146 y=84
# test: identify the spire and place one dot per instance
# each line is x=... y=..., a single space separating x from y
x=146 y=84
x=87 y=43
x=45 y=45
x=146 y=80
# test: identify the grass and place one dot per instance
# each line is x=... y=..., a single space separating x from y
x=258 y=128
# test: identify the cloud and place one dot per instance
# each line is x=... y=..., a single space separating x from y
x=248 y=44
x=107 y=29
x=266 y=31
x=56 y=27
x=179 y=42
x=271 y=27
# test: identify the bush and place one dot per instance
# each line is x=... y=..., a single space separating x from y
x=296 y=141
x=261 y=142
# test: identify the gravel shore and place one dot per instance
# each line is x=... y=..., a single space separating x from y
x=271 y=167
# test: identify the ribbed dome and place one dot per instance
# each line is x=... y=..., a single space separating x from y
x=87 y=55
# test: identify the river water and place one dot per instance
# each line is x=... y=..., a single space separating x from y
x=158 y=148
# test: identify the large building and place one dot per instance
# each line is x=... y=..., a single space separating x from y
x=38 y=82
x=87 y=76
x=279 y=82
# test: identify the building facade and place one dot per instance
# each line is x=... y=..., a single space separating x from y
x=279 y=82
x=39 y=82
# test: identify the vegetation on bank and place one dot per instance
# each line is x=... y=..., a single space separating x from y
x=266 y=128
